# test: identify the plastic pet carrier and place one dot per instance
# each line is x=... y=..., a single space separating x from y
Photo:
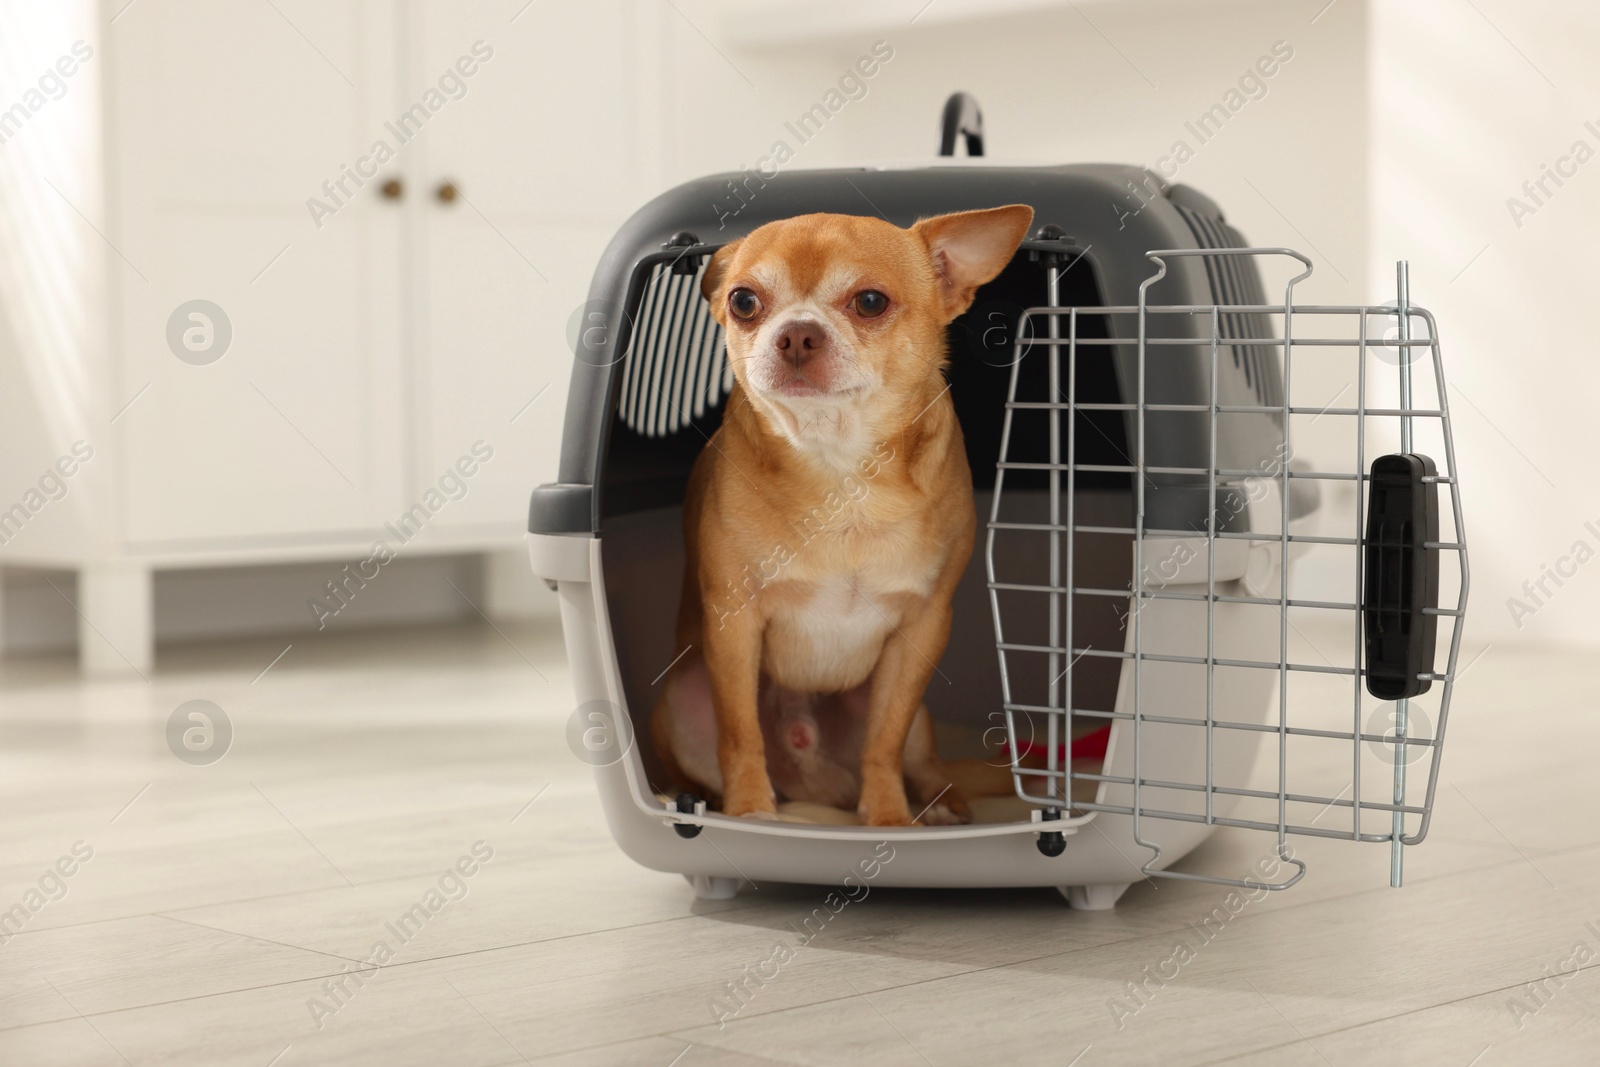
x=1171 y=622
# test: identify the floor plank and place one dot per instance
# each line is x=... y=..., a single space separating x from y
x=218 y=903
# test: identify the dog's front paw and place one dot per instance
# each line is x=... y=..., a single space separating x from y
x=886 y=816
x=947 y=808
x=943 y=814
x=888 y=819
x=883 y=803
x=755 y=809
x=755 y=801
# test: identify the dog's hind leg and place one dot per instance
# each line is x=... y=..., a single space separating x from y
x=684 y=730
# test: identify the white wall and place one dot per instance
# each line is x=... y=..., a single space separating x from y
x=1467 y=106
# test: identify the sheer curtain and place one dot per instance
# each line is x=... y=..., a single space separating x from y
x=54 y=255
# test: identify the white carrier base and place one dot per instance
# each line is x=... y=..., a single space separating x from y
x=1093 y=872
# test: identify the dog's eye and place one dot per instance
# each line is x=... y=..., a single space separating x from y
x=744 y=304
x=869 y=303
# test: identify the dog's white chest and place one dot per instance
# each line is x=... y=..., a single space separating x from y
x=829 y=640
x=842 y=614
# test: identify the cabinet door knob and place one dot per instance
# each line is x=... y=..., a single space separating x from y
x=447 y=192
x=392 y=189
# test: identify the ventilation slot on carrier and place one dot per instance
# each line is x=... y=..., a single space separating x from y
x=1233 y=284
x=676 y=368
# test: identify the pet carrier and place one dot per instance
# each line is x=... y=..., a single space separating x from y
x=1130 y=629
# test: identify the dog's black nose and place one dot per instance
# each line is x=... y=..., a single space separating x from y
x=800 y=340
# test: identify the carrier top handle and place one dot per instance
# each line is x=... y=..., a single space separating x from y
x=961 y=116
x=1401 y=582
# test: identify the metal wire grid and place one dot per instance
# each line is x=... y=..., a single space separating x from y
x=1057 y=776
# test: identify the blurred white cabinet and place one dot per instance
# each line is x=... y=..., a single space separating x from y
x=541 y=156
x=221 y=123
x=391 y=209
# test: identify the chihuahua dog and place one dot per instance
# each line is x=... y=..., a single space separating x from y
x=829 y=519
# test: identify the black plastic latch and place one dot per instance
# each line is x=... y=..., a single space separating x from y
x=686 y=805
x=1047 y=236
x=1051 y=843
x=685 y=263
x=1402 y=576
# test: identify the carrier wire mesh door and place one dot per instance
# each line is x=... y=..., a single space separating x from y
x=1195 y=590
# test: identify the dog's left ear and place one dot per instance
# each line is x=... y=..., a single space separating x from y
x=970 y=248
x=716 y=273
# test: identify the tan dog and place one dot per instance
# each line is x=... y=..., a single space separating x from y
x=829 y=519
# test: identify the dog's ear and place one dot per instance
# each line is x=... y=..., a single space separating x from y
x=716 y=273
x=970 y=248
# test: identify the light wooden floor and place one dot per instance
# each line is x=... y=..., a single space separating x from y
x=220 y=899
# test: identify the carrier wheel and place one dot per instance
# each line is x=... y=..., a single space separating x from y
x=1092 y=897
x=715 y=887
